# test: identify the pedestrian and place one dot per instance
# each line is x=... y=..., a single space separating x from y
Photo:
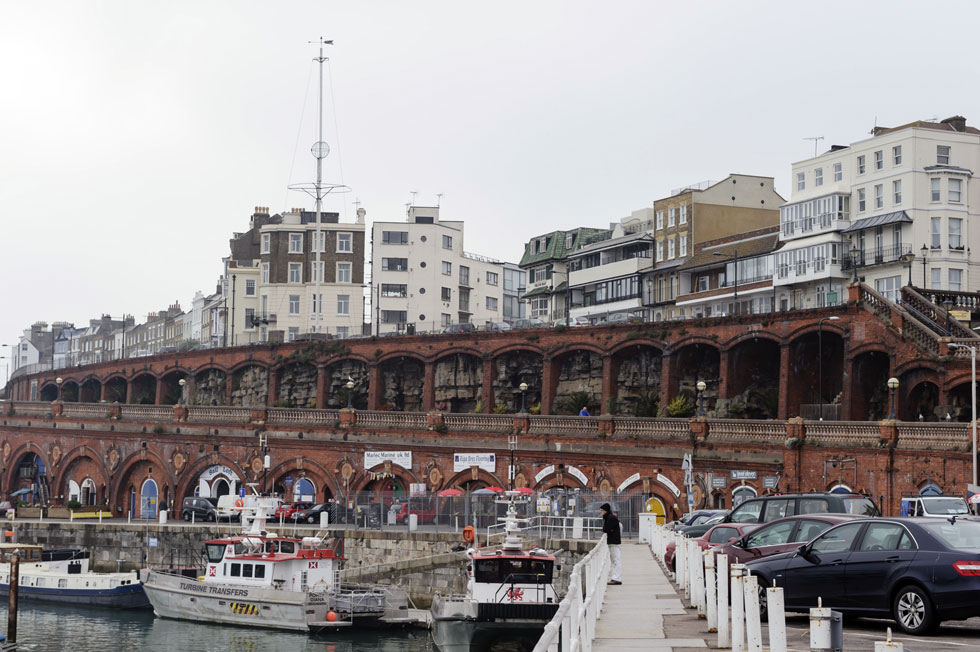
x=584 y=412
x=610 y=527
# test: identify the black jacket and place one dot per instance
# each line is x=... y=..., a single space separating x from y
x=610 y=527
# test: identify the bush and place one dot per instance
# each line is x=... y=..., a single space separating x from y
x=681 y=406
x=536 y=408
x=574 y=402
x=73 y=505
x=648 y=405
x=500 y=408
x=441 y=428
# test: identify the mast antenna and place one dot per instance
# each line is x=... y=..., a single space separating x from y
x=816 y=140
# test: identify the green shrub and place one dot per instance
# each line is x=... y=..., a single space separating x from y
x=73 y=505
x=574 y=402
x=681 y=406
x=648 y=405
x=500 y=408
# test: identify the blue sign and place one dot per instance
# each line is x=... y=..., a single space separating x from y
x=288 y=480
x=241 y=492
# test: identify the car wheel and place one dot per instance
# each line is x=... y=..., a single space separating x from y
x=186 y=516
x=912 y=610
x=763 y=601
x=310 y=520
x=212 y=517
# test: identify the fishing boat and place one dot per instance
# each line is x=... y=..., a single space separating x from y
x=510 y=592
x=64 y=576
x=260 y=579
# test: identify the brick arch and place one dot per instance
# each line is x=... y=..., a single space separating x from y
x=691 y=340
x=131 y=462
x=636 y=368
x=932 y=366
x=322 y=475
x=746 y=336
x=73 y=456
x=516 y=346
x=387 y=357
x=465 y=350
x=184 y=483
x=329 y=362
x=551 y=481
x=400 y=473
x=867 y=347
x=248 y=362
x=482 y=475
x=571 y=347
x=813 y=327
x=639 y=341
x=16 y=456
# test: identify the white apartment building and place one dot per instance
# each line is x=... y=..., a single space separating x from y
x=546 y=261
x=607 y=277
x=423 y=280
x=892 y=208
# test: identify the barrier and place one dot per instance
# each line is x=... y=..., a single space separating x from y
x=776 y=609
x=710 y=585
x=738 y=608
x=753 y=621
x=724 y=624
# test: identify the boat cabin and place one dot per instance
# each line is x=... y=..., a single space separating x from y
x=28 y=553
x=272 y=562
x=513 y=576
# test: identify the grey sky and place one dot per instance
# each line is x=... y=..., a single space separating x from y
x=136 y=137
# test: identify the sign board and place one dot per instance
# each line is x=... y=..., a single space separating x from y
x=770 y=481
x=573 y=471
x=416 y=489
x=486 y=461
x=719 y=482
x=544 y=505
x=744 y=475
x=218 y=469
x=401 y=458
x=153 y=542
x=544 y=473
x=288 y=480
x=628 y=481
x=665 y=481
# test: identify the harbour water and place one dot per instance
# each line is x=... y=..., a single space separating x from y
x=58 y=628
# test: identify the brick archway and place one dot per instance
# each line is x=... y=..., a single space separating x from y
x=66 y=466
x=131 y=464
x=189 y=476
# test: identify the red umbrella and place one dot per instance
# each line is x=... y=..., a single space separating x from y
x=498 y=490
x=524 y=490
x=449 y=493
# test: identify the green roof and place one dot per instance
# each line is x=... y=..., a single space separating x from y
x=555 y=249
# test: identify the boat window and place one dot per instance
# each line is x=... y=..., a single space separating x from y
x=239 y=548
x=288 y=547
x=62 y=583
x=518 y=571
x=236 y=570
x=270 y=546
x=216 y=552
x=259 y=571
x=246 y=570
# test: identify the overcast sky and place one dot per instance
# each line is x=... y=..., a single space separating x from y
x=135 y=137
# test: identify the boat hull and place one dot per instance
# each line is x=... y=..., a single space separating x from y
x=121 y=597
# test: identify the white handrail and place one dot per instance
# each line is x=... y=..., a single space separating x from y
x=573 y=625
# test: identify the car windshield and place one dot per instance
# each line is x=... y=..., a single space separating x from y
x=963 y=535
x=862 y=506
x=946 y=506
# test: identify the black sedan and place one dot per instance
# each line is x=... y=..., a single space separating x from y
x=918 y=571
x=311 y=514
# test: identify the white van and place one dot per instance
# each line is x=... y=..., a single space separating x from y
x=934 y=506
x=230 y=507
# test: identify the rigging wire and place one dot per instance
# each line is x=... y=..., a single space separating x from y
x=299 y=131
x=336 y=129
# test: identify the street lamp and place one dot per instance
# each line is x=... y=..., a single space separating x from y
x=58 y=381
x=350 y=394
x=854 y=261
x=701 y=386
x=523 y=395
x=924 y=251
x=892 y=386
x=947 y=304
x=973 y=398
x=735 y=293
x=907 y=259
x=182 y=382
x=820 y=358
x=512 y=445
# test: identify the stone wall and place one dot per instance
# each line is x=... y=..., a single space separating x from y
x=639 y=382
x=250 y=387
x=337 y=378
x=297 y=386
x=209 y=388
x=401 y=382
x=458 y=381
x=581 y=373
x=513 y=369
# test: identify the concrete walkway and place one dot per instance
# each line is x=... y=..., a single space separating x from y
x=633 y=614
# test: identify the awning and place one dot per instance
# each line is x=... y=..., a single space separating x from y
x=878 y=220
x=537 y=292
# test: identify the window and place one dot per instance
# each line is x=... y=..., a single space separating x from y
x=660 y=250
x=317 y=272
x=682 y=251
x=394 y=290
x=879 y=196
x=295 y=272
x=266 y=243
x=942 y=154
x=343 y=332
x=394 y=237
x=897 y=191
x=703 y=283
x=250 y=287
x=265 y=305
x=343 y=272
x=838 y=172
x=249 y=319
x=897 y=154
x=319 y=247
x=879 y=160
x=861 y=200
x=447 y=242
x=671 y=216
x=800 y=180
x=394 y=264
x=447 y=268
x=953 y=190
x=394 y=316
x=818 y=177
x=292 y=334
x=445 y=319
x=955 y=233
x=861 y=165
x=265 y=272
x=293 y=304
x=236 y=570
x=889 y=287
x=671 y=248
x=345 y=242
x=491 y=303
x=464 y=275
x=343 y=304
x=936 y=278
x=295 y=243
x=934 y=184
x=447 y=294
x=935 y=231
x=660 y=219
x=883 y=536
x=684 y=214
x=771 y=535
x=492 y=278
x=569 y=238
x=955 y=280
x=837 y=540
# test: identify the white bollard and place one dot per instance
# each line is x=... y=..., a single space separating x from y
x=738 y=609
x=724 y=623
x=129 y=516
x=888 y=645
x=71 y=516
x=680 y=561
x=698 y=585
x=753 y=620
x=823 y=621
x=776 y=610
x=710 y=598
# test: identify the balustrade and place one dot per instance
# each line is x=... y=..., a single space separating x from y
x=304 y=416
x=218 y=414
x=843 y=433
x=934 y=436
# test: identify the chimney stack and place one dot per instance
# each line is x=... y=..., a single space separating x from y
x=361 y=213
x=957 y=122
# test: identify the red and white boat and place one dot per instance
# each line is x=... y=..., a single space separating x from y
x=510 y=592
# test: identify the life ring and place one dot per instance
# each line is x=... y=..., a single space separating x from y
x=469 y=534
x=239 y=503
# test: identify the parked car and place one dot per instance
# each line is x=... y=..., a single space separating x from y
x=572 y=322
x=311 y=514
x=698 y=515
x=934 y=506
x=199 y=508
x=718 y=535
x=779 y=536
x=287 y=510
x=622 y=318
x=522 y=324
x=229 y=507
x=698 y=529
x=770 y=507
x=426 y=512
x=918 y=571
x=498 y=327
x=459 y=329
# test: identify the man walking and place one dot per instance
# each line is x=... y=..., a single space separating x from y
x=610 y=527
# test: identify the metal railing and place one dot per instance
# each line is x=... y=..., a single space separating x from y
x=551 y=526
x=878 y=256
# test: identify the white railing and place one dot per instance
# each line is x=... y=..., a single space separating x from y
x=218 y=414
x=148 y=412
x=303 y=416
x=579 y=527
x=573 y=625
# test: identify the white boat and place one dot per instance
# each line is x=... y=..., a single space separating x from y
x=64 y=576
x=259 y=579
x=510 y=592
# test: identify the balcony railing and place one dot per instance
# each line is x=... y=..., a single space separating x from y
x=871 y=257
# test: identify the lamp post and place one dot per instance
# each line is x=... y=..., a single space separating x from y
x=58 y=381
x=908 y=259
x=523 y=388
x=892 y=386
x=182 y=382
x=947 y=304
x=350 y=394
x=973 y=398
x=820 y=358
x=924 y=251
x=734 y=255
x=512 y=445
x=854 y=261
x=701 y=386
